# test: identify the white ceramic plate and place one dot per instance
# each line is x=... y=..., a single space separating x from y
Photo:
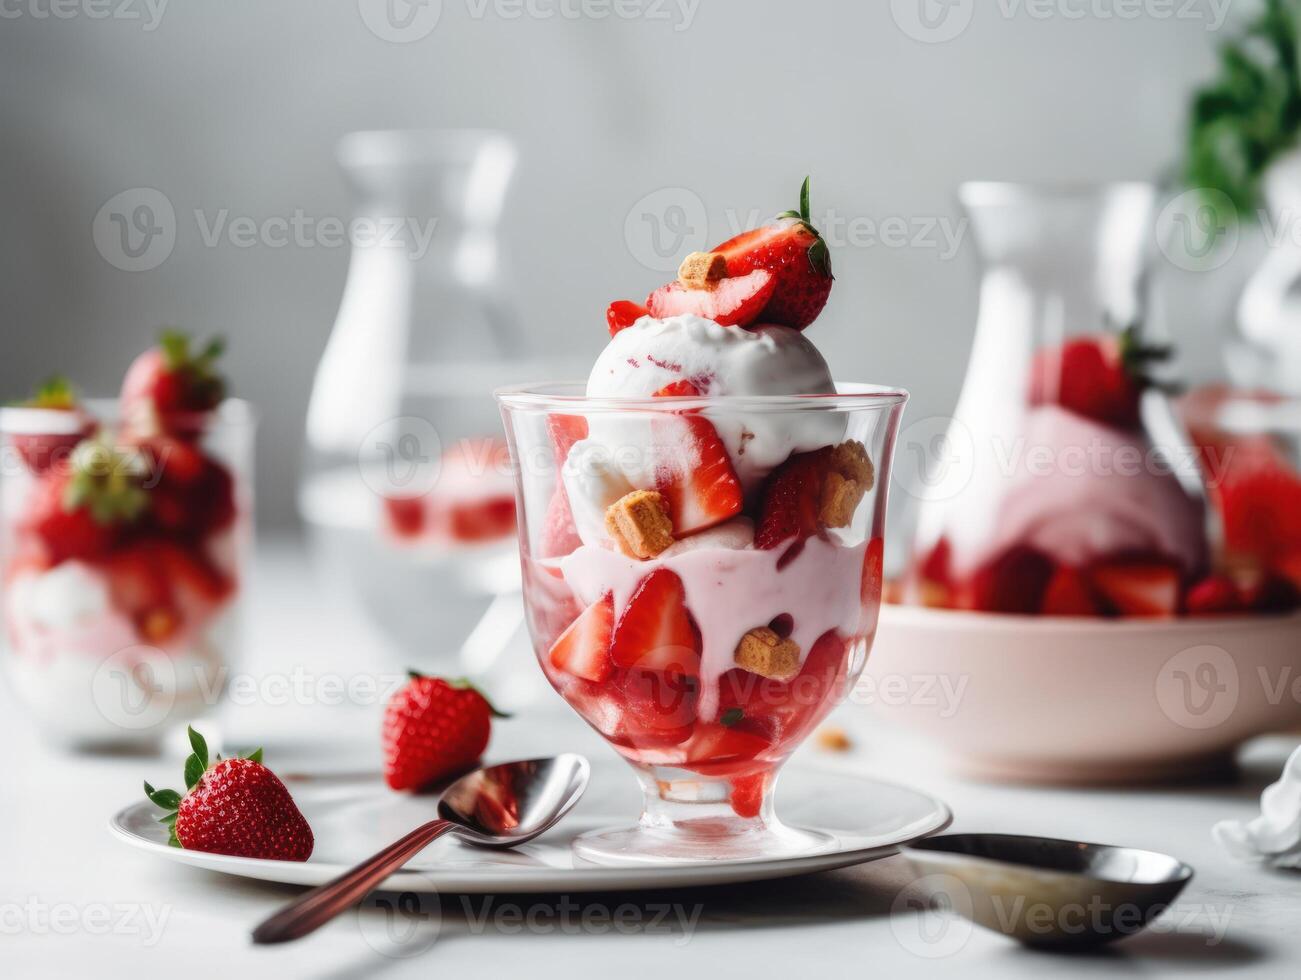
x=353 y=816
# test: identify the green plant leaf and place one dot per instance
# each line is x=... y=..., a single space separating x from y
x=804 y=201
x=166 y=799
x=199 y=745
x=255 y=756
x=193 y=771
x=731 y=717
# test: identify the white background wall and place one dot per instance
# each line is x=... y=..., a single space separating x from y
x=237 y=105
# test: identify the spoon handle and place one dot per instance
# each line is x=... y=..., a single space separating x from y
x=310 y=911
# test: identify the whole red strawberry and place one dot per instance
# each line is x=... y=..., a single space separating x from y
x=434 y=728
x=167 y=386
x=796 y=254
x=1100 y=377
x=80 y=512
x=234 y=806
x=41 y=450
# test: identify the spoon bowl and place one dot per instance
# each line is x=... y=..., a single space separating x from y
x=1048 y=893
x=500 y=806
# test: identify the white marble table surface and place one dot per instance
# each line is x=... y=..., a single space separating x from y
x=74 y=902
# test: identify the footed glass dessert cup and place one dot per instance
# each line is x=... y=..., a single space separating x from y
x=703 y=627
x=123 y=560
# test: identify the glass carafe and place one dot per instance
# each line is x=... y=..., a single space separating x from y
x=1062 y=485
x=407 y=486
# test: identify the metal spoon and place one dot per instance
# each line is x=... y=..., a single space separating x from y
x=500 y=807
x=1053 y=894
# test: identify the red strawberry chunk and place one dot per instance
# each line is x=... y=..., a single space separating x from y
x=1014 y=582
x=623 y=313
x=657 y=709
x=565 y=430
x=1134 y=588
x=695 y=474
x=583 y=650
x=406 y=515
x=733 y=302
x=748 y=793
x=717 y=749
x=1214 y=596
x=870 y=587
x=655 y=631
x=1068 y=595
x=792 y=500
x=783 y=247
x=559 y=535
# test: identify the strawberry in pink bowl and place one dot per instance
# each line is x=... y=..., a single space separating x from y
x=123 y=552
x=701 y=537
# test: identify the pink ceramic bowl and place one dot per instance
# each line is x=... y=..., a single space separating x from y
x=1050 y=700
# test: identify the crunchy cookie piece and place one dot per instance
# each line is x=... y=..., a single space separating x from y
x=834 y=739
x=763 y=652
x=639 y=523
x=700 y=270
x=851 y=476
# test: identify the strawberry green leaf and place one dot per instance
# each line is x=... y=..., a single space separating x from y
x=731 y=717
x=804 y=201
x=255 y=756
x=166 y=799
x=199 y=745
x=193 y=771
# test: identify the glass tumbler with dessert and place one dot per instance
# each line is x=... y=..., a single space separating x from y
x=124 y=532
x=701 y=535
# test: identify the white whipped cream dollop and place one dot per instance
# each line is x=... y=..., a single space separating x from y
x=1274 y=837
x=68 y=595
x=718 y=361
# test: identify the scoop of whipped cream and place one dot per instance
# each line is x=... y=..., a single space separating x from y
x=1274 y=837
x=717 y=361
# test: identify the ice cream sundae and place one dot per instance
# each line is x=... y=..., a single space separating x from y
x=121 y=547
x=702 y=551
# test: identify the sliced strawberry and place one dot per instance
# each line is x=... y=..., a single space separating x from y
x=559 y=535
x=748 y=792
x=735 y=302
x=871 y=585
x=1214 y=596
x=655 y=631
x=1068 y=595
x=1014 y=582
x=138 y=582
x=583 y=650
x=406 y=515
x=790 y=248
x=190 y=572
x=623 y=313
x=793 y=499
x=565 y=430
x=655 y=708
x=472 y=521
x=41 y=451
x=719 y=749
x=1138 y=588
x=695 y=474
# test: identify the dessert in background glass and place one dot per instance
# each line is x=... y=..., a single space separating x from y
x=125 y=528
x=1070 y=489
x=701 y=534
x=406 y=483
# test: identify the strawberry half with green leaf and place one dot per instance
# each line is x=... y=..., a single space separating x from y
x=433 y=729
x=168 y=388
x=233 y=806
x=1100 y=377
x=55 y=440
x=796 y=254
x=80 y=512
